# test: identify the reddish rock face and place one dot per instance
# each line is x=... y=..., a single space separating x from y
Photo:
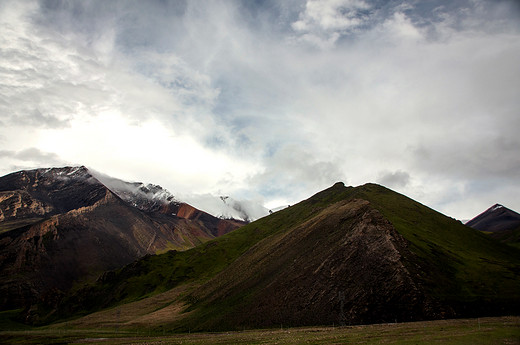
x=62 y=226
x=188 y=212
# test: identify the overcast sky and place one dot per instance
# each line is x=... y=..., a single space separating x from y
x=269 y=100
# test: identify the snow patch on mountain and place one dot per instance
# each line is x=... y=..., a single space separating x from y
x=68 y=172
x=147 y=197
x=496 y=207
x=75 y=173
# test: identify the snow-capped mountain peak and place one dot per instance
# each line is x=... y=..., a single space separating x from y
x=149 y=197
x=146 y=197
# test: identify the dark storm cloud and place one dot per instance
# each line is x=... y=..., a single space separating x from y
x=293 y=170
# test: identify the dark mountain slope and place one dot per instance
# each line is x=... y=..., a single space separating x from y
x=456 y=264
x=392 y=259
x=495 y=219
x=345 y=265
x=62 y=189
x=29 y=196
x=510 y=237
x=62 y=226
x=345 y=255
x=500 y=223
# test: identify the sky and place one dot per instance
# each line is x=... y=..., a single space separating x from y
x=269 y=101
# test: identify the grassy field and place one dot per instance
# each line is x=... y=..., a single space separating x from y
x=500 y=330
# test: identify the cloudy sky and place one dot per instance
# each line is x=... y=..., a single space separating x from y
x=269 y=100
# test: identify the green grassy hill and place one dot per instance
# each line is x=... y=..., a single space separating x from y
x=510 y=237
x=461 y=265
x=345 y=255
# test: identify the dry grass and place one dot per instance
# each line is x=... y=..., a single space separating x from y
x=149 y=312
x=499 y=330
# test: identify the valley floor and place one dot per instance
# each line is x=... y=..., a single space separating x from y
x=496 y=330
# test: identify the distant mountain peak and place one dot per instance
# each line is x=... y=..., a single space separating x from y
x=495 y=219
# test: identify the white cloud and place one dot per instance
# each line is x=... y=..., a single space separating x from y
x=323 y=22
x=396 y=179
x=227 y=207
x=130 y=151
x=227 y=97
x=401 y=27
x=29 y=157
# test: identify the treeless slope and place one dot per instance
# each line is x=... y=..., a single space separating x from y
x=62 y=226
x=41 y=259
x=344 y=265
x=500 y=223
x=146 y=313
x=345 y=255
x=497 y=218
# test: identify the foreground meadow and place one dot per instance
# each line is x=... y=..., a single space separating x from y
x=496 y=330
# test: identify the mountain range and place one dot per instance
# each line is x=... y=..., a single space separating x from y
x=97 y=252
x=62 y=226
x=347 y=255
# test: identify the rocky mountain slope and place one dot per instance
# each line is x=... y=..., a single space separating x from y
x=62 y=226
x=344 y=256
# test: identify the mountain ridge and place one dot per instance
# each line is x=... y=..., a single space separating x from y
x=61 y=226
x=346 y=255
